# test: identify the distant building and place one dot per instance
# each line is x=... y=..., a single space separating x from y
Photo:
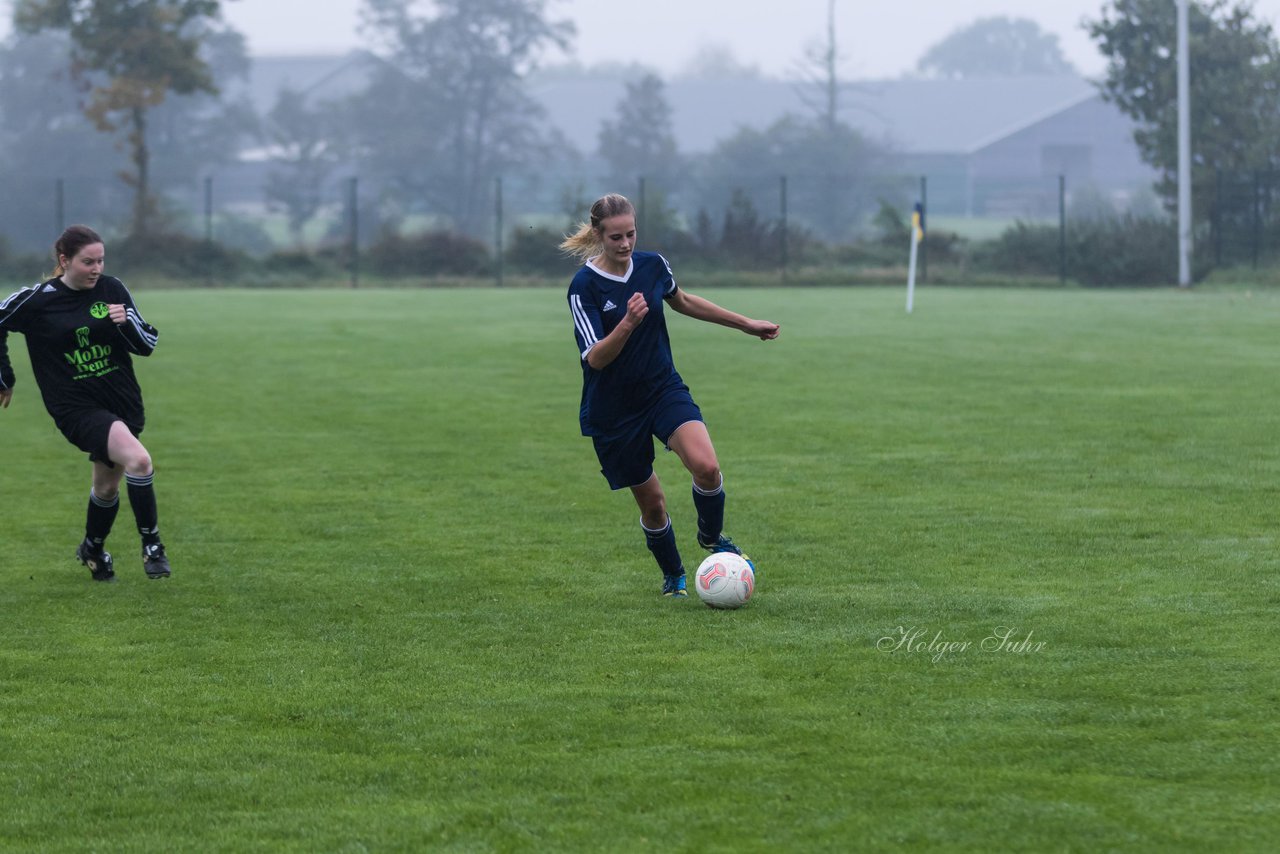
x=999 y=147
x=988 y=147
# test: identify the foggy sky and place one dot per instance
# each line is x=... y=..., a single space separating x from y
x=876 y=38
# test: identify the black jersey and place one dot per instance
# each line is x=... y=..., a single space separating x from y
x=80 y=358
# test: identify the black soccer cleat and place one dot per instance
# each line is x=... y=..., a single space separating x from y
x=98 y=561
x=154 y=562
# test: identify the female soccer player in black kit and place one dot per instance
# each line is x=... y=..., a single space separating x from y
x=631 y=391
x=81 y=328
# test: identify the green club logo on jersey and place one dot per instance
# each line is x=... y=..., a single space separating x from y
x=99 y=310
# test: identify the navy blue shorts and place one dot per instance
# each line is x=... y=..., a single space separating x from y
x=89 y=431
x=626 y=454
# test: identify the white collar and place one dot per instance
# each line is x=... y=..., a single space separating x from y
x=631 y=265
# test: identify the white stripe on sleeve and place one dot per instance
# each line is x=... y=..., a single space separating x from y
x=136 y=321
x=582 y=324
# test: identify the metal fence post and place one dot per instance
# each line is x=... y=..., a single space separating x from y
x=924 y=215
x=498 y=227
x=1217 y=216
x=208 y=209
x=353 y=229
x=640 y=208
x=1062 y=229
x=1257 y=217
x=782 y=204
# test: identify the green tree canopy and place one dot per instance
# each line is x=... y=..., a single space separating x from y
x=640 y=140
x=44 y=135
x=192 y=134
x=307 y=144
x=828 y=171
x=1235 y=86
x=996 y=47
x=640 y=143
x=448 y=112
x=131 y=54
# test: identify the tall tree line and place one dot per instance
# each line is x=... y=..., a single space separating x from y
x=1235 y=87
x=445 y=110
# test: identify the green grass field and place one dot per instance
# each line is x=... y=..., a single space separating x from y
x=408 y=614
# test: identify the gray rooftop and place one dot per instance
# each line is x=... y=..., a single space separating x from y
x=914 y=116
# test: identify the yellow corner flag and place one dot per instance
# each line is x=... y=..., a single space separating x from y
x=917 y=236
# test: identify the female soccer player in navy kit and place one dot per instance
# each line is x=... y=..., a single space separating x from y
x=81 y=327
x=630 y=389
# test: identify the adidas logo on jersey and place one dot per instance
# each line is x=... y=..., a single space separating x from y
x=608 y=305
x=48 y=289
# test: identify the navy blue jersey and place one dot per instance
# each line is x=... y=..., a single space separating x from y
x=80 y=358
x=644 y=369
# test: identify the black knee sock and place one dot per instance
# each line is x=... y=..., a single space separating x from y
x=662 y=544
x=142 y=497
x=99 y=518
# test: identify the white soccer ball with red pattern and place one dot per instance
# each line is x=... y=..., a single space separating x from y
x=725 y=580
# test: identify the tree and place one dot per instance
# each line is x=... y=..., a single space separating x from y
x=641 y=143
x=824 y=154
x=827 y=170
x=996 y=47
x=303 y=137
x=44 y=137
x=40 y=118
x=746 y=239
x=131 y=54
x=191 y=135
x=640 y=140
x=447 y=113
x=1235 y=87
x=821 y=73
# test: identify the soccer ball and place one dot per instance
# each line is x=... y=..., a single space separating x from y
x=725 y=580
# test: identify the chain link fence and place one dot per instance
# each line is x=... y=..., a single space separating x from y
x=761 y=221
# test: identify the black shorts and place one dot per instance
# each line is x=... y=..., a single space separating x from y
x=89 y=431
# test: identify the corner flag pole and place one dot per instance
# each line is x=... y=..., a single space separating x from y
x=917 y=235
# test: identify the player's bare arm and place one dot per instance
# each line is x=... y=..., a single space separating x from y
x=700 y=308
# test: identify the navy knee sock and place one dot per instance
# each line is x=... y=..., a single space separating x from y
x=662 y=544
x=710 y=507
